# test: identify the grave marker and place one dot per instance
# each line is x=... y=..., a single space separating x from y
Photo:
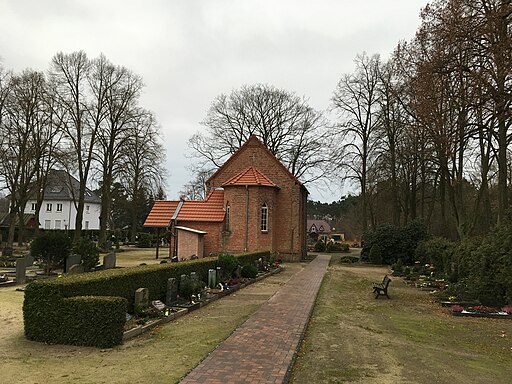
x=142 y=298
x=172 y=291
x=20 y=271
x=109 y=261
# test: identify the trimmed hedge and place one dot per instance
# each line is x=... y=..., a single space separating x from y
x=89 y=309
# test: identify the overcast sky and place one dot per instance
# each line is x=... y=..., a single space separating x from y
x=190 y=51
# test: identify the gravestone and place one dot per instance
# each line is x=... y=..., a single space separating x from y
x=29 y=260
x=193 y=276
x=219 y=274
x=21 y=271
x=142 y=298
x=212 y=278
x=172 y=291
x=76 y=269
x=158 y=305
x=183 y=279
x=72 y=260
x=109 y=261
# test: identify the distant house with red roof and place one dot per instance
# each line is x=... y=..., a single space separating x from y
x=254 y=204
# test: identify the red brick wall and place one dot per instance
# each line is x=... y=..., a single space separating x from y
x=287 y=227
x=212 y=240
x=189 y=244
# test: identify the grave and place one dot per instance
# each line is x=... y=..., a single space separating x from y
x=21 y=270
x=212 y=278
x=76 y=269
x=158 y=305
x=72 y=260
x=29 y=260
x=172 y=291
x=193 y=276
x=109 y=261
x=142 y=298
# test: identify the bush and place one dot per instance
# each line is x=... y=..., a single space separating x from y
x=437 y=251
x=249 y=271
x=394 y=242
x=349 y=259
x=375 y=254
x=144 y=240
x=228 y=265
x=320 y=246
x=51 y=249
x=398 y=268
x=89 y=253
x=191 y=287
x=46 y=306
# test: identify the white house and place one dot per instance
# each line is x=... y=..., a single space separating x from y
x=58 y=210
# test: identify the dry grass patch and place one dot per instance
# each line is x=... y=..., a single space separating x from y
x=409 y=339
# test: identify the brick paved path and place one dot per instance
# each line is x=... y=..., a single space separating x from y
x=262 y=350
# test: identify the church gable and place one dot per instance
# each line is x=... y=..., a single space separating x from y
x=253 y=154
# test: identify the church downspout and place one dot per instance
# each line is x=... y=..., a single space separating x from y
x=246 y=217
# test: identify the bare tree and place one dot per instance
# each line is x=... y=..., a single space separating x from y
x=120 y=89
x=143 y=157
x=356 y=98
x=294 y=132
x=70 y=74
x=23 y=143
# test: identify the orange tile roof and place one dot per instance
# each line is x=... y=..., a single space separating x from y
x=250 y=176
x=211 y=209
x=161 y=213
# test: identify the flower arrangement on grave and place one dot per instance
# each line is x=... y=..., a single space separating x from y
x=482 y=309
x=457 y=308
x=507 y=309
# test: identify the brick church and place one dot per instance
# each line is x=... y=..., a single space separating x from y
x=254 y=204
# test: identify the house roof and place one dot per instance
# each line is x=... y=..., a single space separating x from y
x=250 y=176
x=318 y=226
x=161 y=213
x=254 y=140
x=209 y=210
x=63 y=186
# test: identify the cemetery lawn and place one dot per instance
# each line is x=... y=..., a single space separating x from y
x=409 y=339
x=130 y=256
x=161 y=356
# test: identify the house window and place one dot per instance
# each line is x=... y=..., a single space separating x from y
x=228 y=212
x=87 y=208
x=264 y=217
x=59 y=207
x=49 y=207
x=34 y=206
x=47 y=224
x=57 y=224
x=86 y=224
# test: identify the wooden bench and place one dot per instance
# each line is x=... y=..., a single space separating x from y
x=381 y=288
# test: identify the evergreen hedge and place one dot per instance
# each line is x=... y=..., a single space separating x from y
x=90 y=308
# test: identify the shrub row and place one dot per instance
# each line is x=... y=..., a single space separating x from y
x=86 y=309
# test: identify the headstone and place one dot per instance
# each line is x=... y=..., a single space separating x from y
x=212 y=278
x=29 y=260
x=193 y=276
x=158 y=305
x=76 y=269
x=142 y=298
x=219 y=274
x=109 y=261
x=20 y=271
x=183 y=278
x=172 y=291
x=72 y=260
